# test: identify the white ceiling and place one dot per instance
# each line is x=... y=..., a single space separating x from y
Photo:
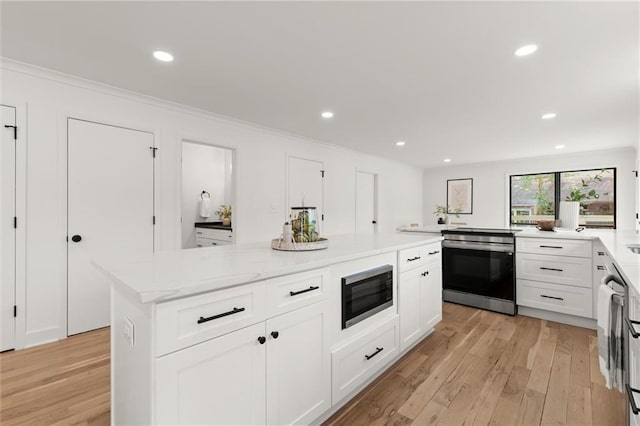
x=440 y=76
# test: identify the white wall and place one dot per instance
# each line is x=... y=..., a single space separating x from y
x=490 y=184
x=47 y=99
x=204 y=168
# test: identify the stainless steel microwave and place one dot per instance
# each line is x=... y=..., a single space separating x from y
x=366 y=293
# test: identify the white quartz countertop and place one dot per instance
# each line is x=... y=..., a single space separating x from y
x=615 y=241
x=171 y=274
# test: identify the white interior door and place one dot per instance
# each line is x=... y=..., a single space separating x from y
x=306 y=181
x=110 y=212
x=7 y=230
x=366 y=215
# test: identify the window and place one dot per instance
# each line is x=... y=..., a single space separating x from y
x=536 y=197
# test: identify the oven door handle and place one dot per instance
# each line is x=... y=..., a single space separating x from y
x=632 y=400
x=467 y=245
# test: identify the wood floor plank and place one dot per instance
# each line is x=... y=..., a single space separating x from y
x=557 y=396
x=531 y=406
x=430 y=415
x=579 y=405
x=543 y=360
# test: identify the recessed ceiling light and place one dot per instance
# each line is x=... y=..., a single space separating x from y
x=163 y=56
x=447 y=160
x=559 y=146
x=327 y=114
x=549 y=116
x=526 y=50
x=400 y=143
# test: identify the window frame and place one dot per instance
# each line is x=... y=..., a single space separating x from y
x=557 y=187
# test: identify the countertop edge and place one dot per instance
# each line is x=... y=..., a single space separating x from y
x=226 y=282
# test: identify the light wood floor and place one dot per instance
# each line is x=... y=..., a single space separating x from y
x=483 y=368
x=477 y=368
x=64 y=383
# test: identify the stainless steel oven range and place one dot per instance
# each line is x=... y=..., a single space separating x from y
x=478 y=268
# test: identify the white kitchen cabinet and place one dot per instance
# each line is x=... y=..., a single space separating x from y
x=221 y=381
x=358 y=360
x=298 y=366
x=555 y=275
x=208 y=237
x=419 y=292
x=224 y=380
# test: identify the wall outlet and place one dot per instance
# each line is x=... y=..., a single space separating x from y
x=129 y=331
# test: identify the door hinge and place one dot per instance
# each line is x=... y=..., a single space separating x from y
x=153 y=150
x=15 y=130
x=15 y=222
x=15 y=311
x=635 y=172
x=322 y=173
x=154 y=220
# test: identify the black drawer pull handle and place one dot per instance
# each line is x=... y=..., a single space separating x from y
x=425 y=273
x=555 y=247
x=431 y=253
x=550 y=269
x=275 y=334
x=262 y=339
x=378 y=350
x=234 y=311
x=295 y=293
x=413 y=258
x=600 y=253
x=551 y=297
x=601 y=268
x=632 y=329
x=632 y=400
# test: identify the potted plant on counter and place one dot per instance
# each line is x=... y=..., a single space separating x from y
x=443 y=213
x=224 y=213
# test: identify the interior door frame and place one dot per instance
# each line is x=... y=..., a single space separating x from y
x=234 y=179
x=63 y=199
x=21 y=214
x=288 y=157
x=376 y=212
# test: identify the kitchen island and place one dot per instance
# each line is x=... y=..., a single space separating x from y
x=245 y=334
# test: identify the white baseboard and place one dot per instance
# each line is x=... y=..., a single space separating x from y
x=557 y=317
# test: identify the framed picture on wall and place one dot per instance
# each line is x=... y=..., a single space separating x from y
x=460 y=196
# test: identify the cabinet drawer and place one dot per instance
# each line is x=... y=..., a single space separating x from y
x=575 y=271
x=214 y=234
x=288 y=293
x=555 y=297
x=185 y=322
x=356 y=362
x=554 y=246
x=206 y=242
x=418 y=256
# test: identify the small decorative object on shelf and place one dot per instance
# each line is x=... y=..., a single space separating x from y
x=302 y=234
x=224 y=213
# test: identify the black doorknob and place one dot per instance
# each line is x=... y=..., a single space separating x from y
x=275 y=334
x=262 y=339
x=76 y=238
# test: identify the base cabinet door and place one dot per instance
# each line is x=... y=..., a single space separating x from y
x=409 y=302
x=218 y=382
x=298 y=366
x=431 y=295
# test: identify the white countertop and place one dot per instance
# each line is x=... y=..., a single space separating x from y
x=615 y=241
x=171 y=274
x=426 y=229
